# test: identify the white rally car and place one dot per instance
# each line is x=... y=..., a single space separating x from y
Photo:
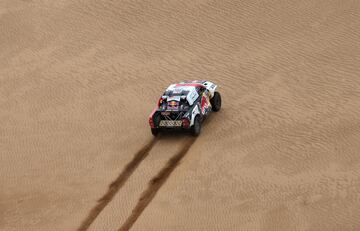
x=184 y=106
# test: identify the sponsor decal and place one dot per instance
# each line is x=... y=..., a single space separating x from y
x=204 y=104
x=173 y=103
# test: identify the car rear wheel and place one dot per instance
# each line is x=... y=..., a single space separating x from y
x=216 y=102
x=155 y=131
x=196 y=129
x=156 y=119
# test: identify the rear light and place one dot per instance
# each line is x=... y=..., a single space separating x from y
x=151 y=122
x=160 y=102
x=185 y=123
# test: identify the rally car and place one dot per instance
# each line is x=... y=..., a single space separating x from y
x=184 y=106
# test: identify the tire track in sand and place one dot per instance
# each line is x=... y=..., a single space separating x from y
x=115 y=186
x=155 y=184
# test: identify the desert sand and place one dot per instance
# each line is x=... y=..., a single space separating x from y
x=78 y=80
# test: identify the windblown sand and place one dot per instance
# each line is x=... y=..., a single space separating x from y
x=78 y=80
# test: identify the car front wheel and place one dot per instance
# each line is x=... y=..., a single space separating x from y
x=216 y=102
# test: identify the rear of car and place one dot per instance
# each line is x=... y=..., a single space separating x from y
x=183 y=106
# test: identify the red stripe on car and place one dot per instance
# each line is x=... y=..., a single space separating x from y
x=151 y=121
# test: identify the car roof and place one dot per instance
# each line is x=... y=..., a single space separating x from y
x=185 y=86
x=189 y=90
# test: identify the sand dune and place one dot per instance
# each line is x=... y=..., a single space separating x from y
x=79 y=78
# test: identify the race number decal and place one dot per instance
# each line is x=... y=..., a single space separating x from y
x=170 y=123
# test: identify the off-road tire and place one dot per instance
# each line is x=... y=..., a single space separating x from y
x=216 y=102
x=155 y=131
x=196 y=128
x=156 y=119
